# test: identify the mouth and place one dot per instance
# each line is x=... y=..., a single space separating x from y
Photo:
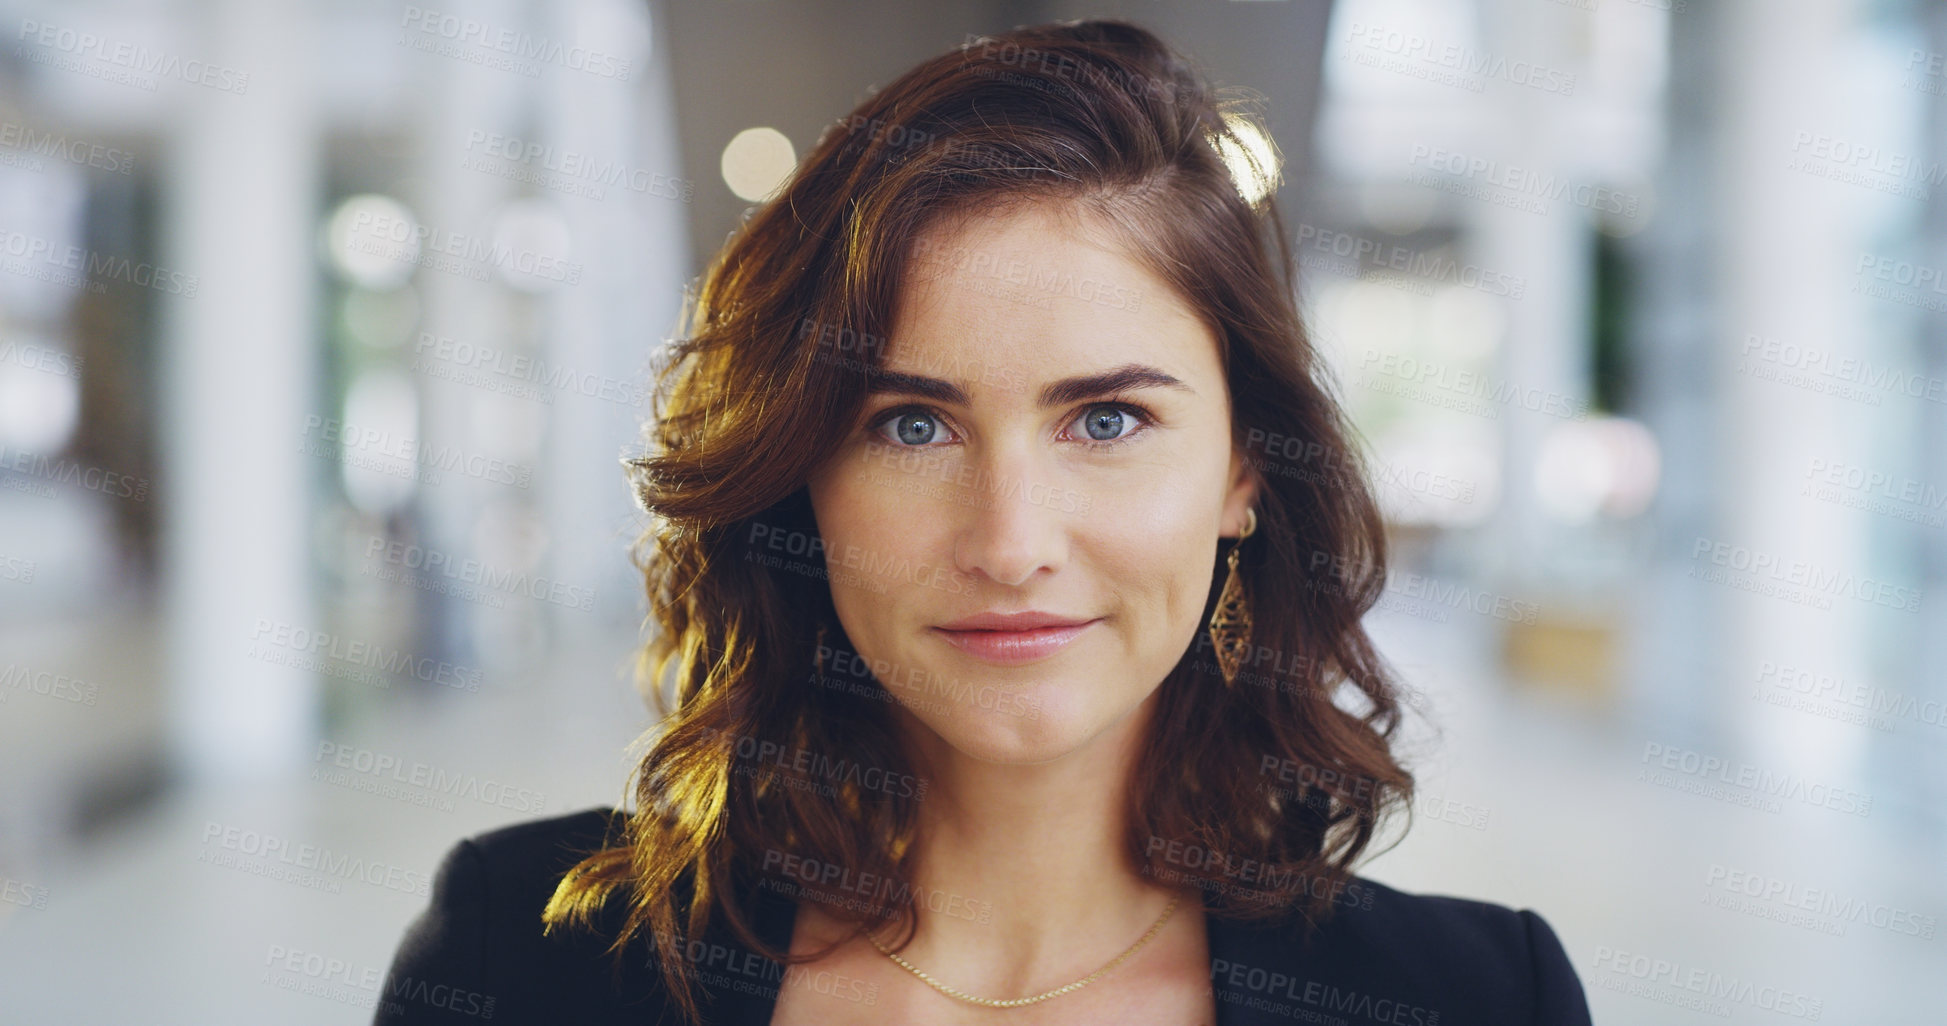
x=1027 y=639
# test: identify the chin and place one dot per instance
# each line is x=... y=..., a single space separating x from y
x=1022 y=728
x=1014 y=746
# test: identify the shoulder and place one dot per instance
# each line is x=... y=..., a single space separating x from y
x=1488 y=935
x=477 y=951
x=1413 y=959
x=536 y=851
x=497 y=882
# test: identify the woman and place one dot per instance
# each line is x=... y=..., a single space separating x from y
x=1015 y=678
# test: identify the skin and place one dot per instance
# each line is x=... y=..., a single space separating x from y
x=1005 y=505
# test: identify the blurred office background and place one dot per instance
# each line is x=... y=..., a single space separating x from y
x=323 y=326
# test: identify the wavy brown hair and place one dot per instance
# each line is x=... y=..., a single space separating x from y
x=1099 y=117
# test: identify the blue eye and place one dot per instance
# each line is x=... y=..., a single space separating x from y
x=1109 y=424
x=911 y=426
x=1104 y=423
x=914 y=428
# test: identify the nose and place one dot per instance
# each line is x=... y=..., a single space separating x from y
x=1007 y=536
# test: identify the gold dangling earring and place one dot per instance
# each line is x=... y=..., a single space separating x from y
x=1230 y=622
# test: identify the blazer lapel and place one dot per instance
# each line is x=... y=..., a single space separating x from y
x=738 y=986
x=1250 y=964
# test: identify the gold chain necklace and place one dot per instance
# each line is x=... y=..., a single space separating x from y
x=1013 y=1002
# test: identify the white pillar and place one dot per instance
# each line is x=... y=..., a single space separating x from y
x=1785 y=246
x=464 y=97
x=1544 y=351
x=627 y=303
x=238 y=361
x=1673 y=674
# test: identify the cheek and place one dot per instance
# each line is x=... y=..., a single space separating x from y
x=1162 y=507
x=867 y=531
x=1155 y=546
x=859 y=511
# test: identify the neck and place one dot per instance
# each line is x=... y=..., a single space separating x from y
x=1023 y=871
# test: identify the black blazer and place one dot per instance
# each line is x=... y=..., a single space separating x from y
x=477 y=956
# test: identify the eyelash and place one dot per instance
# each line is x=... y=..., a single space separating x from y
x=1124 y=406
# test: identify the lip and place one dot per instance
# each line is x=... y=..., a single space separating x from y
x=1025 y=620
x=1012 y=638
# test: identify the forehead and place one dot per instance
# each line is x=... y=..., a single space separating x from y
x=1035 y=293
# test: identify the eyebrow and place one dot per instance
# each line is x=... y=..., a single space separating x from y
x=1057 y=393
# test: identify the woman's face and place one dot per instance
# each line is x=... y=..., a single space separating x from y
x=1052 y=435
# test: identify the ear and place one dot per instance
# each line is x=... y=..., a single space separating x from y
x=1240 y=496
